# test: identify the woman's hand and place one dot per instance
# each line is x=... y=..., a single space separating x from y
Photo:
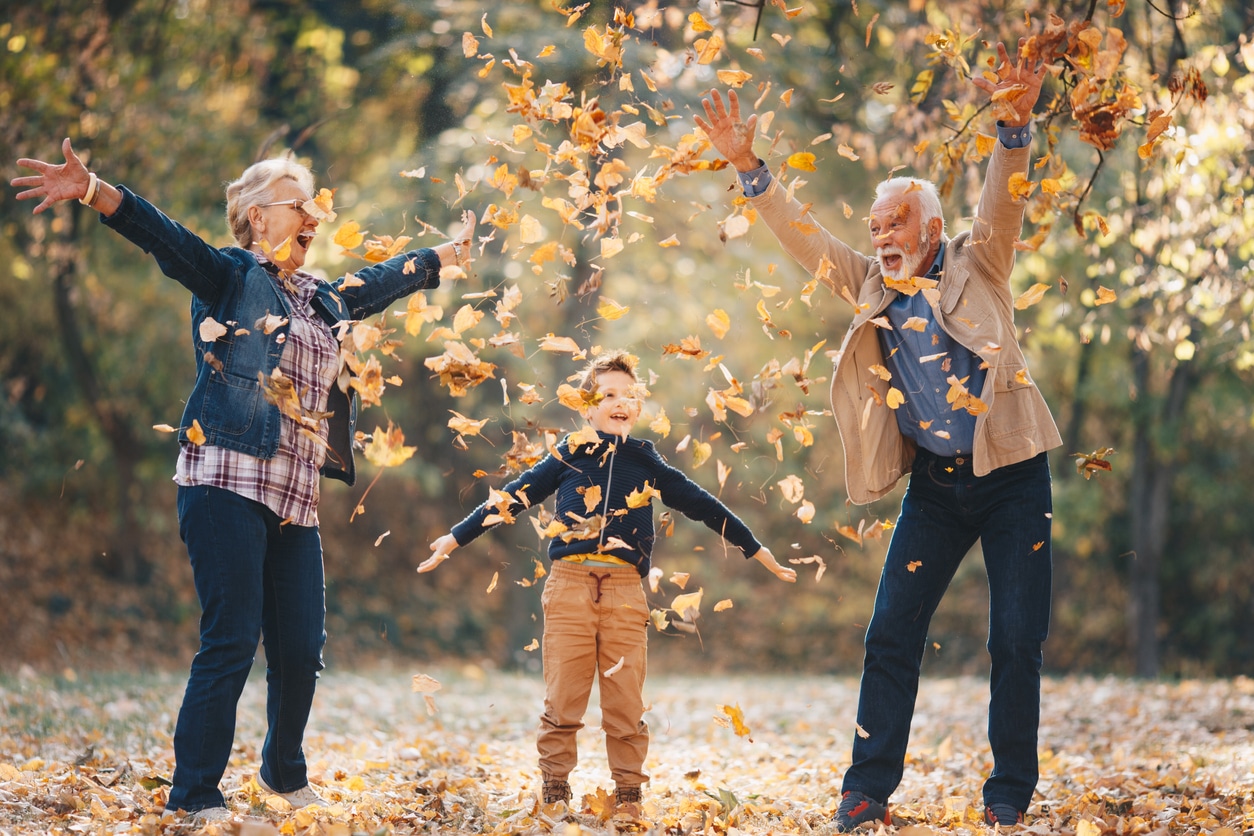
x=727 y=132
x=440 y=550
x=457 y=252
x=53 y=183
x=768 y=560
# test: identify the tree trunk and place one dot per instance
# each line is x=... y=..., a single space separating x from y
x=124 y=557
x=1154 y=443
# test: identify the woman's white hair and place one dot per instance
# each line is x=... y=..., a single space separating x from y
x=255 y=187
x=928 y=196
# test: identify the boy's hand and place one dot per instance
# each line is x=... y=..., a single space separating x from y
x=768 y=560
x=440 y=550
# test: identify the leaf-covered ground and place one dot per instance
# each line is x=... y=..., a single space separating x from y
x=1118 y=757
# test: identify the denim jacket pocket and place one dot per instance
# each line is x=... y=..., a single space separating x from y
x=231 y=404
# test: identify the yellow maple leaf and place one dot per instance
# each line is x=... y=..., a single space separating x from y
x=1104 y=296
x=894 y=398
x=387 y=447
x=640 y=497
x=698 y=23
x=661 y=424
x=708 y=48
x=1020 y=186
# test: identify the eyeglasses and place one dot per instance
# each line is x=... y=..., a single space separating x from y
x=296 y=205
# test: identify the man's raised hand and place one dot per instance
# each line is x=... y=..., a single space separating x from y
x=1017 y=88
x=728 y=133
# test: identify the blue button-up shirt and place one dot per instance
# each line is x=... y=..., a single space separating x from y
x=927 y=418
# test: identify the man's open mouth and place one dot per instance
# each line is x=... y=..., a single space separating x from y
x=305 y=238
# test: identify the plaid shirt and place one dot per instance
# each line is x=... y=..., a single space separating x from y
x=288 y=483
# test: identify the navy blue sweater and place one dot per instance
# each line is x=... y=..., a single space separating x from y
x=618 y=466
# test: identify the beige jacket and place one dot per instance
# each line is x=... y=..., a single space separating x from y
x=972 y=303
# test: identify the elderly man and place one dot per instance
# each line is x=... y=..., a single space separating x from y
x=931 y=380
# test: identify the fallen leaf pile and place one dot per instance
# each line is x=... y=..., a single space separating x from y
x=454 y=751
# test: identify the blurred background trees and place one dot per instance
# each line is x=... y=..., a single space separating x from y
x=414 y=111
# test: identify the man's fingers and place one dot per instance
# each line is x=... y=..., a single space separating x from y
x=734 y=101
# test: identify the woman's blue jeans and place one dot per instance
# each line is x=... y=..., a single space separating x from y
x=945 y=510
x=254 y=577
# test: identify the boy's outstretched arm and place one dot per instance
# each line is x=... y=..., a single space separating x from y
x=440 y=550
x=768 y=560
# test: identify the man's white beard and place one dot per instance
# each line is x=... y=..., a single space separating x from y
x=910 y=262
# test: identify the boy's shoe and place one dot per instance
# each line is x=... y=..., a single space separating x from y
x=306 y=796
x=1004 y=815
x=555 y=790
x=627 y=795
x=858 y=808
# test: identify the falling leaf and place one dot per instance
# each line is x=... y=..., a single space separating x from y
x=737 y=717
x=387 y=447
x=462 y=425
x=680 y=579
x=792 y=488
x=806 y=511
x=1031 y=296
x=195 y=434
x=535 y=644
x=618 y=666
x=913 y=566
x=862 y=733
x=802 y=161
x=611 y=310
x=733 y=78
x=640 y=497
x=164 y=428
x=719 y=322
x=688 y=606
x=423 y=684
x=1104 y=296
x=210 y=329
x=496 y=576
x=725 y=604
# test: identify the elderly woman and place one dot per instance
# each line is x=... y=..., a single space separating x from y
x=248 y=470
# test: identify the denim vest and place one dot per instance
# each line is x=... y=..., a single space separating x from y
x=230 y=286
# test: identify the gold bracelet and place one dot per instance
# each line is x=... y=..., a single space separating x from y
x=93 y=189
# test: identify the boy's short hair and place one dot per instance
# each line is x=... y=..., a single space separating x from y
x=614 y=361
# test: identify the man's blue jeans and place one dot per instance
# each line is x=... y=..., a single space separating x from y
x=254 y=577
x=945 y=510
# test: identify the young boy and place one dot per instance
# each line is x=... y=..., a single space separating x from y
x=595 y=613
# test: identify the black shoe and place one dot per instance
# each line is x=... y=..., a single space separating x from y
x=1002 y=814
x=555 y=790
x=858 y=808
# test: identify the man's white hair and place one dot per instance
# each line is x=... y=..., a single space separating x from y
x=925 y=190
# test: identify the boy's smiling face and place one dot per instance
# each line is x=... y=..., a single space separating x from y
x=619 y=406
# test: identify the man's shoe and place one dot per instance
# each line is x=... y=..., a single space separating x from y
x=627 y=795
x=303 y=797
x=1004 y=815
x=555 y=790
x=209 y=814
x=858 y=808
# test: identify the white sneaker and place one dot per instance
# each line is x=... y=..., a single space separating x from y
x=210 y=814
x=306 y=796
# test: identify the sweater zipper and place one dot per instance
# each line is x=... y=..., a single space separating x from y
x=605 y=504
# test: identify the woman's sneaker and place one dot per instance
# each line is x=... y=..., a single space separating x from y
x=858 y=808
x=306 y=796
x=210 y=814
x=1002 y=814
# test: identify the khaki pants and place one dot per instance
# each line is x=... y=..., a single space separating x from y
x=594 y=616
